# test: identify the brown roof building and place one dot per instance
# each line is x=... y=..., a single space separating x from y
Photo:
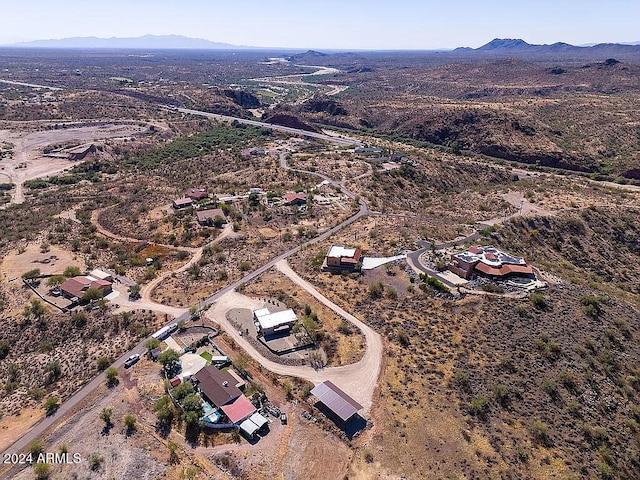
x=293 y=198
x=77 y=286
x=219 y=387
x=488 y=261
x=343 y=257
x=207 y=217
x=196 y=194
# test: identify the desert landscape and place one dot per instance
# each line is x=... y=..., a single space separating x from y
x=267 y=264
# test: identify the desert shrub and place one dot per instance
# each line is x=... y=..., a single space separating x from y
x=502 y=394
x=539 y=301
x=103 y=363
x=376 y=290
x=51 y=405
x=492 y=288
x=479 y=406
x=403 y=338
x=42 y=470
x=130 y=423
x=95 y=461
x=111 y=374
x=345 y=328
x=591 y=305
x=540 y=431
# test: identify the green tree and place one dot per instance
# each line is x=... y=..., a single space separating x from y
x=130 y=423
x=51 y=405
x=152 y=344
x=56 y=280
x=165 y=410
x=37 y=308
x=71 y=272
x=192 y=409
x=170 y=361
x=111 y=375
x=218 y=221
x=134 y=292
x=31 y=274
x=103 y=363
x=182 y=390
x=105 y=416
x=54 y=369
x=91 y=294
x=173 y=451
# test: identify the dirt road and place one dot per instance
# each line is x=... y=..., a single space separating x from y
x=359 y=379
x=146 y=292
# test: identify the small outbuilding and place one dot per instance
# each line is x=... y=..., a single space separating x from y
x=181 y=203
x=336 y=401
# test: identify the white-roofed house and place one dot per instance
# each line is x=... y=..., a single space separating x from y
x=268 y=323
x=340 y=257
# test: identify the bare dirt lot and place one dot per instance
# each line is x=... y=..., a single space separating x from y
x=51 y=262
x=28 y=162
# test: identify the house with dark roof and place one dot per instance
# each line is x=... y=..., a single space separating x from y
x=221 y=390
x=206 y=218
x=219 y=387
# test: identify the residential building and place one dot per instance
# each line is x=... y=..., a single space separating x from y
x=340 y=257
x=196 y=194
x=206 y=218
x=268 y=323
x=76 y=287
x=293 y=198
x=220 y=389
x=182 y=203
x=489 y=261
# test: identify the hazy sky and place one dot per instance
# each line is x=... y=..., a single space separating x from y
x=346 y=24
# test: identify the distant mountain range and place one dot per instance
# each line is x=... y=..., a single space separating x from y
x=498 y=46
x=517 y=45
x=147 y=42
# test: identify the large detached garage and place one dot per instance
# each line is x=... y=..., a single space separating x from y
x=336 y=401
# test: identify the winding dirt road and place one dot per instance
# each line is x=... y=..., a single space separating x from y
x=358 y=379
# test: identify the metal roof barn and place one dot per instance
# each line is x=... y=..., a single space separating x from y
x=336 y=400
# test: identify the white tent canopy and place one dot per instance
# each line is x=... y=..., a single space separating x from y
x=249 y=427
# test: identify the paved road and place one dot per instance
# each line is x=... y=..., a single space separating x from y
x=279 y=128
x=11 y=82
x=75 y=400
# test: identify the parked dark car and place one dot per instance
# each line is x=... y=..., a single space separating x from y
x=132 y=360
